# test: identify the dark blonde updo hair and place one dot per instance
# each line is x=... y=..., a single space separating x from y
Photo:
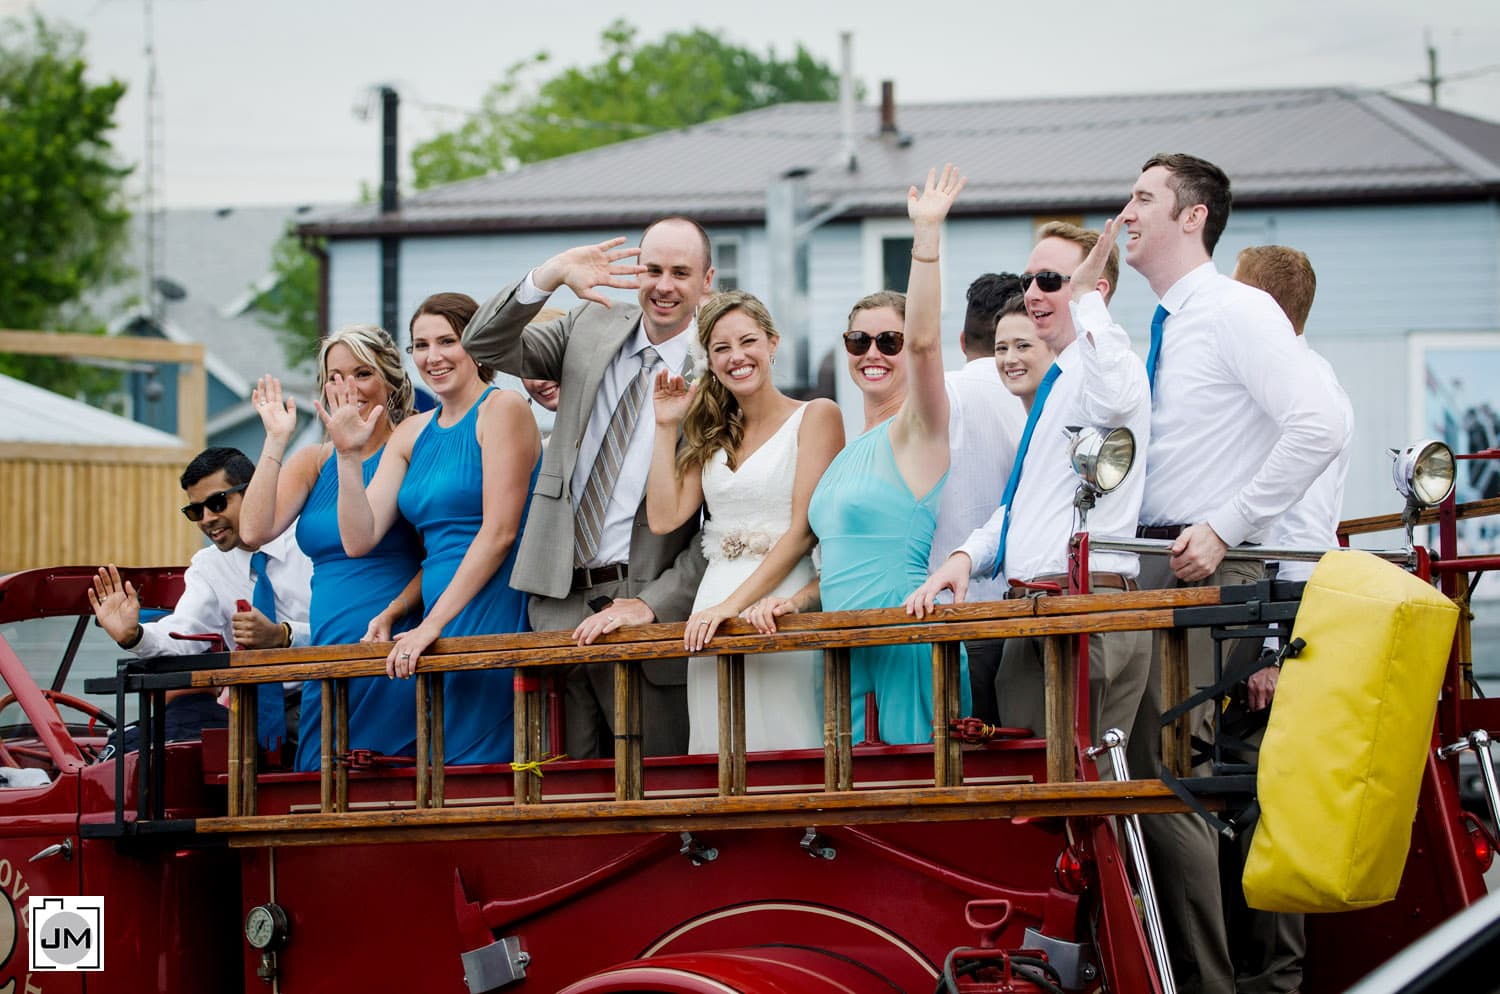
x=714 y=420
x=894 y=299
x=458 y=310
x=372 y=346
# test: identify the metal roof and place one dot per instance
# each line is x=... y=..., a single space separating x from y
x=221 y=258
x=1061 y=154
x=37 y=416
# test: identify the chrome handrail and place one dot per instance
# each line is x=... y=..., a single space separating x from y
x=1250 y=553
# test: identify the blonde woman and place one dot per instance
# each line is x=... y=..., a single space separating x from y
x=753 y=455
x=352 y=599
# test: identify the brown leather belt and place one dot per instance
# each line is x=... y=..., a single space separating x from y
x=585 y=577
x=1168 y=532
x=1097 y=581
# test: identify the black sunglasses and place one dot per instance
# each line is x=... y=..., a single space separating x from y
x=1049 y=281
x=213 y=502
x=888 y=342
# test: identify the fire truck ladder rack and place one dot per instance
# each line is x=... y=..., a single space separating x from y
x=1070 y=788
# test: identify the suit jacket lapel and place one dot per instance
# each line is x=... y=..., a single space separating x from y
x=614 y=328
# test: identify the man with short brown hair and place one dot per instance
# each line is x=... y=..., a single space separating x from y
x=1231 y=390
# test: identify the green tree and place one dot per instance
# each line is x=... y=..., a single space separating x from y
x=63 y=216
x=685 y=78
x=291 y=305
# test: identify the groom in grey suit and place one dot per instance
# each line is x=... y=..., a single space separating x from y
x=587 y=555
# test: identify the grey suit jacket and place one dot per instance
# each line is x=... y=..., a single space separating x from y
x=576 y=350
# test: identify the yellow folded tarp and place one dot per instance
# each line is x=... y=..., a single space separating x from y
x=1341 y=762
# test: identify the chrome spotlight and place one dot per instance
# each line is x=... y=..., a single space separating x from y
x=1102 y=457
x=1424 y=472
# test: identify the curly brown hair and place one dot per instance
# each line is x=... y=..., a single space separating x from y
x=714 y=420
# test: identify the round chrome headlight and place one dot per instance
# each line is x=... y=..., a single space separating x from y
x=1102 y=457
x=1424 y=472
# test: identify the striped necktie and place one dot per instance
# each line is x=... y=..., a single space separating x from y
x=270 y=710
x=1015 y=470
x=1158 y=324
x=589 y=527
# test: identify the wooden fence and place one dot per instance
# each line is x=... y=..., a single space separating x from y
x=84 y=504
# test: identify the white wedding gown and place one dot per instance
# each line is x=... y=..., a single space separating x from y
x=749 y=510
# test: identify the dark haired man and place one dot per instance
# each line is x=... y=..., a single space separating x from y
x=1231 y=390
x=587 y=555
x=984 y=424
x=219 y=577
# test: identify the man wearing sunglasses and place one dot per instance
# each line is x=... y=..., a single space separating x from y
x=221 y=578
x=1097 y=380
x=1241 y=425
x=218 y=578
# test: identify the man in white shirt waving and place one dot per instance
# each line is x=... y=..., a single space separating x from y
x=220 y=578
x=1241 y=426
x=1096 y=380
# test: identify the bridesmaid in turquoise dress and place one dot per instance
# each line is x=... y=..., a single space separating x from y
x=462 y=475
x=345 y=592
x=875 y=509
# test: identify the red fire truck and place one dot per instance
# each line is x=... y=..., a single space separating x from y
x=989 y=860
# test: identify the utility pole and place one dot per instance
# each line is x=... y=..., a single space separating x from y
x=390 y=203
x=153 y=194
x=1432 y=79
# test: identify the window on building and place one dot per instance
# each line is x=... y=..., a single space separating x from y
x=895 y=263
x=727 y=264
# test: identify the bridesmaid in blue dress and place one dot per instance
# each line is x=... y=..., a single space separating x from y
x=345 y=592
x=875 y=508
x=462 y=475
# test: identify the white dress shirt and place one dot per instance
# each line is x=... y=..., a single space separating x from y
x=1103 y=383
x=985 y=422
x=1313 y=522
x=215 y=580
x=630 y=484
x=1242 y=424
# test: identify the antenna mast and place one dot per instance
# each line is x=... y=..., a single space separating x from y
x=153 y=173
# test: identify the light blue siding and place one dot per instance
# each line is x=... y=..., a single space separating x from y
x=353 y=282
x=1384 y=273
x=1380 y=268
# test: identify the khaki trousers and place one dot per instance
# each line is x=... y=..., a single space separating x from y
x=1184 y=851
x=1119 y=664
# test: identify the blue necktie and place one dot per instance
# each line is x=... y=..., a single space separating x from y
x=270 y=725
x=1015 y=470
x=1158 y=321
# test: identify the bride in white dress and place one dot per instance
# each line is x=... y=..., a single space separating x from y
x=754 y=456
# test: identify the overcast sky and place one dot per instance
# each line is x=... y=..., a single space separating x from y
x=258 y=99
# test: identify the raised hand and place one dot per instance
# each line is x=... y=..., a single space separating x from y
x=1086 y=277
x=346 y=429
x=931 y=205
x=278 y=414
x=115 y=604
x=585 y=267
x=671 y=398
